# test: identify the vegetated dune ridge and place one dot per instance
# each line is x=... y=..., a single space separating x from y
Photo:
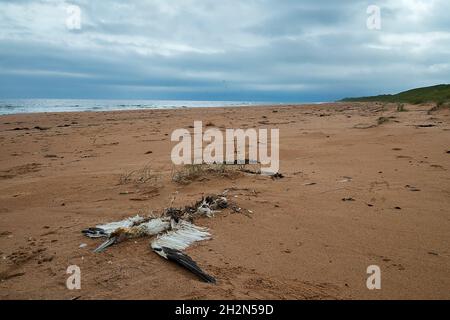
x=365 y=184
x=434 y=94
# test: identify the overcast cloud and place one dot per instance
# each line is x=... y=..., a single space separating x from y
x=264 y=50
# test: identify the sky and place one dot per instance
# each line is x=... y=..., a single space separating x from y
x=252 y=50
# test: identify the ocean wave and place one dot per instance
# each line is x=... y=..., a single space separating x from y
x=71 y=105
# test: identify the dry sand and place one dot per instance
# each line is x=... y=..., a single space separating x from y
x=60 y=173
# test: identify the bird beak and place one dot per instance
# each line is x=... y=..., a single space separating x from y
x=106 y=244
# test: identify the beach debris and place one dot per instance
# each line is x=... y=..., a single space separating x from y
x=425 y=126
x=345 y=179
x=20 y=170
x=277 y=176
x=5 y=276
x=41 y=128
x=20 y=129
x=411 y=188
x=123 y=193
x=274 y=176
x=5 y=234
x=173 y=232
x=172 y=238
x=83 y=245
x=382 y=120
x=209 y=206
x=310 y=184
x=348 y=199
x=364 y=126
x=201 y=172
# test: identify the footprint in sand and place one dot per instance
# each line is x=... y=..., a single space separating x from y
x=5 y=234
x=437 y=166
x=411 y=188
x=20 y=170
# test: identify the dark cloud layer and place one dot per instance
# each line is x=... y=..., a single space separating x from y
x=221 y=50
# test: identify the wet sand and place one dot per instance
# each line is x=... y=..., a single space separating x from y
x=60 y=173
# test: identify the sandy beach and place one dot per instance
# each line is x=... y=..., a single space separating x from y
x=364 y=185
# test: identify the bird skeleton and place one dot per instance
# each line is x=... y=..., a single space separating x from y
x=173 y=232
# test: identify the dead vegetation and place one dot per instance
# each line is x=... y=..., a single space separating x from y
x=382 y=120
x=200 y=172
x=140 y=176
x=20 y=170
x=145 y=179
x=401 y=107
x=439 y=106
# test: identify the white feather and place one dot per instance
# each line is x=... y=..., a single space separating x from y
x=182 y=236
x=126 y=223
x=155 y=226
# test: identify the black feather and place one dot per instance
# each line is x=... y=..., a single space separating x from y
x=185 y=261
x=94 y=233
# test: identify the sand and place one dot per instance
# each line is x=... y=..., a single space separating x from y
x=60 y=173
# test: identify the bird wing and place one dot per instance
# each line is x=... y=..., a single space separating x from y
x=105 y=230
x=182 y=236
x=170 y=244
x=185 y=261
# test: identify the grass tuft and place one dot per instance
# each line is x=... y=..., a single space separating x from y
x=139 y=176
x=440 y=105
x=199 y=172
x=382 y=120
x=401 y=107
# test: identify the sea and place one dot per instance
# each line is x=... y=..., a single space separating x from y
x=15 y=106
